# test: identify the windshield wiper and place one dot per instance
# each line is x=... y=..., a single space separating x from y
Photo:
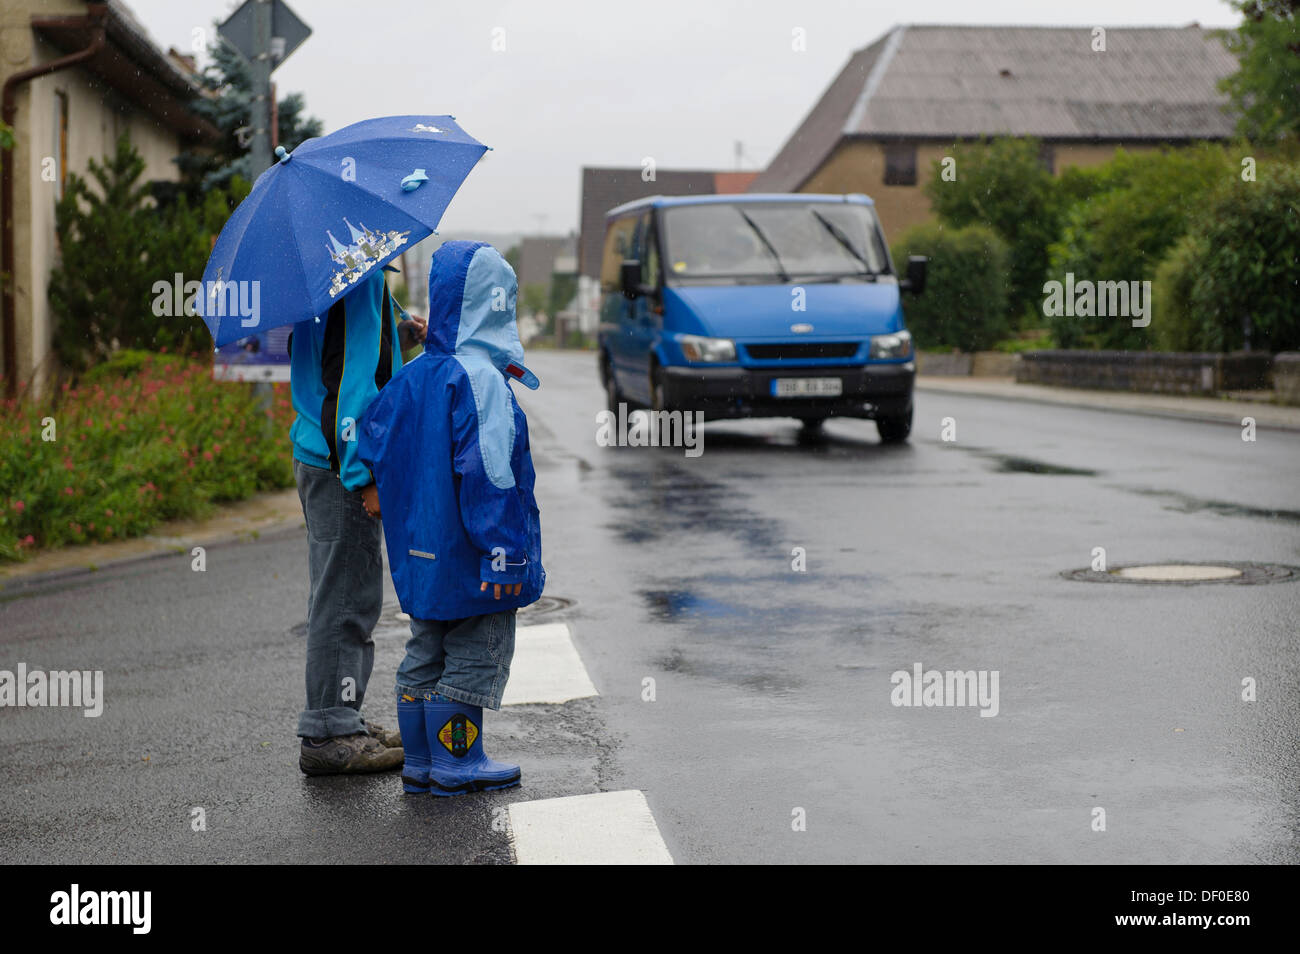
x=838 y=234
x=780 y=266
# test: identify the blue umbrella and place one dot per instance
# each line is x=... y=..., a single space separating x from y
x=327 y=215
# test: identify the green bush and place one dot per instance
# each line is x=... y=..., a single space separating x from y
x=1003 y=184
x=146 y=439
x=116 y=241
x=1174 y=325
x=1240 y=268
x=1130 y=213
x=965 y=300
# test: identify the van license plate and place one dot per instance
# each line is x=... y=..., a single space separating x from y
x=807 y=387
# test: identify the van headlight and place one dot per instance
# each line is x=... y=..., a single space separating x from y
x=697 y=348
x=897 y=345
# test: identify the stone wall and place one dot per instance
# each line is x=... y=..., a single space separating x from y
x=1286 y=377
x=1151 y=371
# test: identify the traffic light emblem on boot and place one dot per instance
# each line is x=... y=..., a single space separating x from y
x=415 y=769
x=458 y=765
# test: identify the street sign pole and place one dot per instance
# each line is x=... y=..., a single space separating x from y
x=264 y=32
x=260 y=152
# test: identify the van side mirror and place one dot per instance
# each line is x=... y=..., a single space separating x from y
x=630 y=278
x=916 y=270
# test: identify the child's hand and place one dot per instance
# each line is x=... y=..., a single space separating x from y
x=496 y=589
x=370 y=500
x=411 y=332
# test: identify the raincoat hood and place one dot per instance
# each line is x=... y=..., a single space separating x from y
x=472 y=292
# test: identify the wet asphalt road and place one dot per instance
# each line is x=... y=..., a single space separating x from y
x=772 y=688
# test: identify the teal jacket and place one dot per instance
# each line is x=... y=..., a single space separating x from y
x=338 y=363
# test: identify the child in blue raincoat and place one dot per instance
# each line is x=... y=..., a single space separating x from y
x=448 y=446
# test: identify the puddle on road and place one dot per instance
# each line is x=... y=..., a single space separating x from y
x=1016 y=464
x=1184 y=503
x=776 y=681
x=1010 y=464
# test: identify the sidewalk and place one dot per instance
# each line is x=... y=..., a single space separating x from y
x=1215 y=410
x=242 y=520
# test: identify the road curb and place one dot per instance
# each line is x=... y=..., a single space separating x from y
x=261 y=515
x=1267 y=416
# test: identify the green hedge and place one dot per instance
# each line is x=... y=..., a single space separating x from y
x=965 y=300
x=1129 y=213
x=1240 y=263
x=140 y=439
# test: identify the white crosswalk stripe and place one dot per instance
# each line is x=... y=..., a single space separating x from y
x=605 y=828
x=546 y=667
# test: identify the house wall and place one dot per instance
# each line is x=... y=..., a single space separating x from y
x=858 y=165
x=96 y=117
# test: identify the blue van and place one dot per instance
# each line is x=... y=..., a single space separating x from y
x=757 y=306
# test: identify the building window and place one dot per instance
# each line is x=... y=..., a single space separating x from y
x=900 y=164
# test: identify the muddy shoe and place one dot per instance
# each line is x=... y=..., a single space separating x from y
x=346 y=755
x=389 y=738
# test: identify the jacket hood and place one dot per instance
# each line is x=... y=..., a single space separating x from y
x=472 y=292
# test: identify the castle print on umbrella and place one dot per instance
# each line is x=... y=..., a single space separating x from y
x=328 y=214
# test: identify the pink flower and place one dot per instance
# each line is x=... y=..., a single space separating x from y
x=68 y=491
x=19 y=506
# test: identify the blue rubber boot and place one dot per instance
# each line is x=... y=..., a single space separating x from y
x=455 y=736
x=415 y=770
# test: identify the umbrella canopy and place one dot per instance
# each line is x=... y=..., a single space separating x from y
x=327 y=215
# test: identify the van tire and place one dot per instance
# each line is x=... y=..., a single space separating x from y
x=613 y=396
x=894 y=429
x=657 y=393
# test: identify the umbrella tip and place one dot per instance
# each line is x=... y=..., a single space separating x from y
x=281 y=153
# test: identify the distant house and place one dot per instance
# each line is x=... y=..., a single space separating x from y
x=538 y=256
x=607 y=188
x=898 y=104
x=61 y=120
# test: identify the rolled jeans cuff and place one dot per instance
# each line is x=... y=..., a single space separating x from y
x=330 y=723
x=416 y=694
x=471 y=698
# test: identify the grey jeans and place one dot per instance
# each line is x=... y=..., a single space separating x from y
x=466 y=660
x=346 y=575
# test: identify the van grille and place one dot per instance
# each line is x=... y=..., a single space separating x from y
x=802 y=349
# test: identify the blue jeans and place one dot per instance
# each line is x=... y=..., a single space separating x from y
x=467 y=660
x=343 y=605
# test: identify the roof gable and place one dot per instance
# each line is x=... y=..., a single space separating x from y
x=953 y=82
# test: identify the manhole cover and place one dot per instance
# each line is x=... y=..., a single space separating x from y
x=545 y=606
x=1186 y=573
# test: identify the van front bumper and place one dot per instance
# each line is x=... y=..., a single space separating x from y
x=869 y=391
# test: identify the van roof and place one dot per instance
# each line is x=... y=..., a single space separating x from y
x=668 y=201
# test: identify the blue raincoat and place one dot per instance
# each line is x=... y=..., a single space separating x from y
x=448 y=445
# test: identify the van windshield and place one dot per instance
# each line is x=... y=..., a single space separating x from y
x=771 y=241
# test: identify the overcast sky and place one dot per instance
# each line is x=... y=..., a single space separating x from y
x=605 y=82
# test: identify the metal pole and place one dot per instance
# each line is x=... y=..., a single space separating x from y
x=260 y=151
